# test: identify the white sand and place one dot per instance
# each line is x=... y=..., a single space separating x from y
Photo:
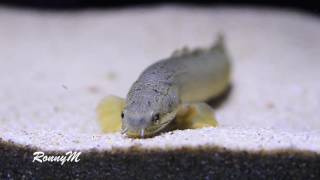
x=55 y=67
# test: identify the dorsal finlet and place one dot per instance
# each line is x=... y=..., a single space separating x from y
x=218 y=45
x=180 y=52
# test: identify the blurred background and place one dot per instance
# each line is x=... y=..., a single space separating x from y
x=310 y=6
x=59 y=58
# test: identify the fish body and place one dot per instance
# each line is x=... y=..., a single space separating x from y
x=186 y=77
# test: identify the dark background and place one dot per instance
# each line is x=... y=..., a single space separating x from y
x=309 y=6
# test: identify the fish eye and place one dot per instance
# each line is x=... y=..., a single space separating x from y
x=156 y=118
x=122 y=115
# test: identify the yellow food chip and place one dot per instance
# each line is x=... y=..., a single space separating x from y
x=109 y=114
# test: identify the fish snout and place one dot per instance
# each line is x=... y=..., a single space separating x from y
x=136 y=124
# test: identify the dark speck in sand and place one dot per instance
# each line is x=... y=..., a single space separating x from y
x=64 y=87
x=270 y=105
x=111 y=76
x=94 y=89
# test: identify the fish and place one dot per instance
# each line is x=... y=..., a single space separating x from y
x=171 y=93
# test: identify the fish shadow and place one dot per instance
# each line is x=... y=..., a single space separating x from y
x=218 y=101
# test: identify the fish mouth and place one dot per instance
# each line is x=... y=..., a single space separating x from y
x=146 y=132
x=152 y=129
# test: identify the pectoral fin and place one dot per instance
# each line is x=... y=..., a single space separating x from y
x=194 y=116
x=109 y=114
